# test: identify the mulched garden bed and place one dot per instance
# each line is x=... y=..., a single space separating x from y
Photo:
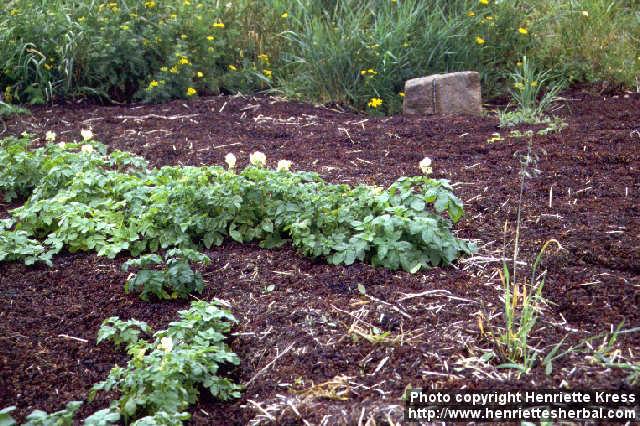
x=299 y=360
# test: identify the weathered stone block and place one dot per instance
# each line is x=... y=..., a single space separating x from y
x=451 y=93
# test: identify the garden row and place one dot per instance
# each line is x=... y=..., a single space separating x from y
x=355 y=52
x=81 y=198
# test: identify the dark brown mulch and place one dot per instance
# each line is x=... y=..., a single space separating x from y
x=592 y=284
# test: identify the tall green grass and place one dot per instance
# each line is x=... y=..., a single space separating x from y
x=345 y=51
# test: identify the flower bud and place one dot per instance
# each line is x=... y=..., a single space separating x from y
x=283 y=166
x=86 y=134
x=425 y=166
x=258 y=159
x=230 y=159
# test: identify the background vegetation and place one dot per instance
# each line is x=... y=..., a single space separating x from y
x=354 y=52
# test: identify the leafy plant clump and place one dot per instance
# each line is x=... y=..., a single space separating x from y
x=63 y=417
x=534 y=92
x=83 y=199
x=178 y=280
x=165 y=375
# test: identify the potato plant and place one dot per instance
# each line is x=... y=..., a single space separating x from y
x=83 y=199
x=165 y=375
x=177 y=280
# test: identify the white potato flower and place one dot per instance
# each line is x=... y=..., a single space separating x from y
x=50 y=136
x=258 y=159
x=87 y=134
x=86 y=148
x=425 y=166
x=284 y=165
x=62 y=145
x=166 y=344
x=230 y=159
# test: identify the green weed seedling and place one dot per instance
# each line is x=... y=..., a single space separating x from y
x=533 y=94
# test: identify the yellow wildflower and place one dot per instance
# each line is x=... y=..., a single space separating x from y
x=184 y=61
x=401 y=94
x=534 y=83
x=285 y=15
x=374 y=102
x=153 y=84
x=164 y=69
x=191 y=91
x=232 y=68
x=263 y=57
x=210 y=38
x=523 y=31
x=200 y=74
x=484 y=2
x=218 y=25
x=471 y=14
x=173 y=70
x=150 y=4
x=267 y=73
x=183 y=36
x=480 y=40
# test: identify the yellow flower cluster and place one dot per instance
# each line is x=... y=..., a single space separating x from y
x=155 y=83
x=374 y=102
x=370 y=72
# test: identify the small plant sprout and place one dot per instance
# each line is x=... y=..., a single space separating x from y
x=425 y=166
x=230 y=159
x=523 y=303
x=50 y=136
x=283 y=166
x=86 y=134
x=258 y=159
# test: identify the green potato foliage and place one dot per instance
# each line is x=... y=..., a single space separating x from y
x=178 y=280
x=88 y=200
x=165 y=375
